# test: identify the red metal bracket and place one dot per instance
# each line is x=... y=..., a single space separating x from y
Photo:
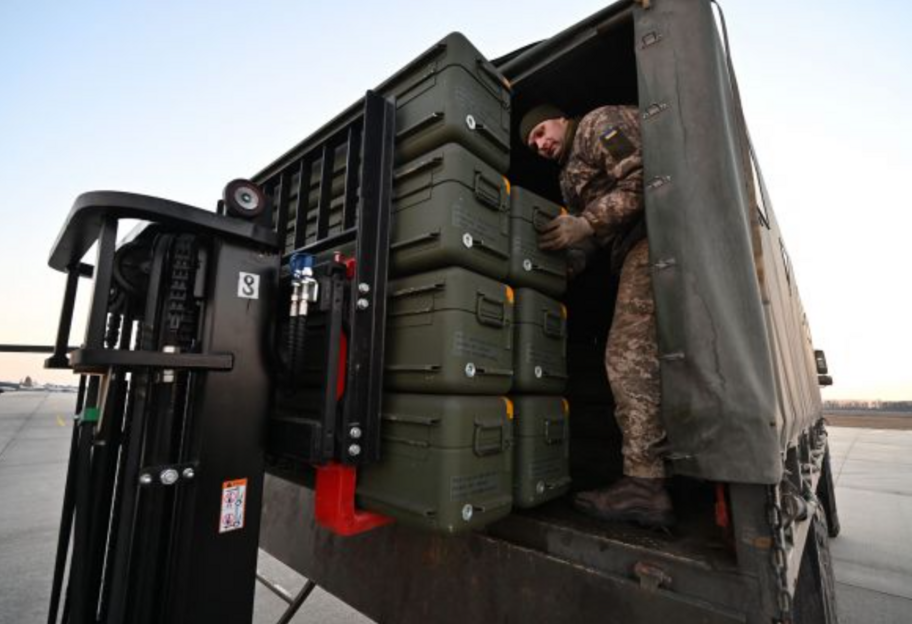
x=334 y=502
x=723 y=519
x=348 y=262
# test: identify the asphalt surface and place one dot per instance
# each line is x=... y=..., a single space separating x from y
x=873 y=555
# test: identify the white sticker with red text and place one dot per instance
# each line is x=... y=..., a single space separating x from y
x=234 y=500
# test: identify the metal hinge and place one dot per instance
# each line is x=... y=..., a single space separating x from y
x=658 y=182
x=654 y=109
x=650 y=39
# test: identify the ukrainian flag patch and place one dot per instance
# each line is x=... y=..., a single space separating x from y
x=616 y=143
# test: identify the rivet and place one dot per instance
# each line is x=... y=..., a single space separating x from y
x=169 y=476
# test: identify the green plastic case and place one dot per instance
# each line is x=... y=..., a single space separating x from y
x=541 y=454
x=449 y=332
x=446 y=462
x=450 y=208
x=540 y=344
x=530 y=266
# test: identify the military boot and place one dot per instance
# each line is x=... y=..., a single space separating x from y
x=631 y=499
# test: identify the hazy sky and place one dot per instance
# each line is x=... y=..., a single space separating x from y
x=174 y=99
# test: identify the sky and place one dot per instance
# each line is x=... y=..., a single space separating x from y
x=174 y=99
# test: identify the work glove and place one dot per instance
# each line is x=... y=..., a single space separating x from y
x=564 y=231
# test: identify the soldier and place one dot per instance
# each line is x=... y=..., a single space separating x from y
x=601 y=178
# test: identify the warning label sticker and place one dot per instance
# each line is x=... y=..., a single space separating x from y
x=234 y=500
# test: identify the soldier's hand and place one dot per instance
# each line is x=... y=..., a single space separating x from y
x=564 y=231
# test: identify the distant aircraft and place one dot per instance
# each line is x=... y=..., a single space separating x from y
x=5 y=386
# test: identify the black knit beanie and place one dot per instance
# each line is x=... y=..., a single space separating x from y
x=540 y=113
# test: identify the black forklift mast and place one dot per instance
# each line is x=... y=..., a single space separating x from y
x=178 y=372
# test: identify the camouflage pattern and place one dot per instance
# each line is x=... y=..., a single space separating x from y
x=632 y=361
x=602 y=181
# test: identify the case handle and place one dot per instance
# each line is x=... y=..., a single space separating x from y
x=497 y=78
x=553 y=325
x=490 y=311
x=484 y=445
x=488 y=192
x=554 y=431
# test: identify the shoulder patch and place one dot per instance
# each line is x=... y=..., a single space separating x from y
x=616 y=143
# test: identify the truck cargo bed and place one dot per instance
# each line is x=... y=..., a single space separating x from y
x=549 y=564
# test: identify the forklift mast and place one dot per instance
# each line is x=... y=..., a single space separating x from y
x=179 y=368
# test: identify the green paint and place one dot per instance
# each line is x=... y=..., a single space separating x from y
x=90 y=414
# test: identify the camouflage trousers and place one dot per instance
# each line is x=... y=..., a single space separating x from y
x=632 y=362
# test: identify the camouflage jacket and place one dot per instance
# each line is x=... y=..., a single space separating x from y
x=601 y=176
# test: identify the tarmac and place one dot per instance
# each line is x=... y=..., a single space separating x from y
x=872 y=556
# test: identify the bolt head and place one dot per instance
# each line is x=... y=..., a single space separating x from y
x=467 y=512
x=364 y=288
x=354 y=450
x=527 y=265
x=169 y=476
x=467 y=240
x=539 y=372
x=540 y=487
x=355 y=432
x=470 y=370
x=470 y=122
x=145 y=479
x=188 y=473
x=363 y=304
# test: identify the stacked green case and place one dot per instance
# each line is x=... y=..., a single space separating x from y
x=446 y=459
x=447 y=462
x=450 y=208
x=450 y=332
x=451 y=94
x=541 y=438
x=540 y=344
x=530 y=266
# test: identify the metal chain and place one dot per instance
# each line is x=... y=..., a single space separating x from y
x=779 y=553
